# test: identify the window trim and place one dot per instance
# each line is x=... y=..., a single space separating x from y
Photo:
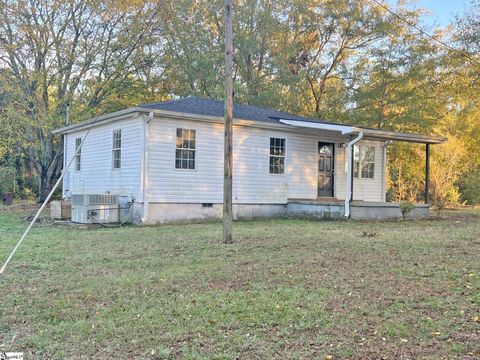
x=284 y=156
x=114 y=149
x=78 y=156
x=195 y=161
x=361 y=162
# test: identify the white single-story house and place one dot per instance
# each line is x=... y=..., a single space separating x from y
x=165 y=160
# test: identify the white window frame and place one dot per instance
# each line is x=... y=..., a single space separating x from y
x=116 y=149
x=78 y=155
x=359 y=162
x=183 y=149
x=276 y=156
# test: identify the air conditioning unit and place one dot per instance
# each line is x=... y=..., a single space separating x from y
x=95 y=208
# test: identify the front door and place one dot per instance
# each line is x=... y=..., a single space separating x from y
x=325 y=169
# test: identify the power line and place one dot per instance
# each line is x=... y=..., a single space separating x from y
x=419 y=29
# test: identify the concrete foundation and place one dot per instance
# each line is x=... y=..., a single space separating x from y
x=164 y=213
x=359 y=210
x=257 y=211
x=385 y=211
x=315 y=210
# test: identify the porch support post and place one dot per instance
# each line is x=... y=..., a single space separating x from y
x=427 y=174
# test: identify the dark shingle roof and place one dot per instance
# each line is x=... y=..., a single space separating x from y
x=210 y=107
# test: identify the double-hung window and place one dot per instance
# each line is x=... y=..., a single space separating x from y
x=78 y=154
x=364 y=161
x=185 y=149
x=277 y=156
x=117 y=149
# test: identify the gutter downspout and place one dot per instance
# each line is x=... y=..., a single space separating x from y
x=64 y=181
x=348 y=194
x=145 y=141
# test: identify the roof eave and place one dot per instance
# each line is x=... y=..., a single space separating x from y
x=99 y=120
x=343 y=129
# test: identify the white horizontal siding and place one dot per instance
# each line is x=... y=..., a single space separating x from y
x=97 y=174
x=372 y=189
x=252 y=183
x=363 y=189
x=167 y=184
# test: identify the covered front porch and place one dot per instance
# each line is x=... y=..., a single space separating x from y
x=351 y=175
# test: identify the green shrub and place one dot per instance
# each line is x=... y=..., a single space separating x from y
x=406 y=208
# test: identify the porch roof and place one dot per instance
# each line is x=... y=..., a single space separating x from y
x=367 y=132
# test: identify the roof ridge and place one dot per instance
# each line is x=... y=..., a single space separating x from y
x=236 y=104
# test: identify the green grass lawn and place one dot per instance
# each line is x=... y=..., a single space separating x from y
x=284 y=289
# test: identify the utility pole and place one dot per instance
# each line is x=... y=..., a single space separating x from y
x=227 y=176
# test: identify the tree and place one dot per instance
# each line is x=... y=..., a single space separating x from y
x=61 y=52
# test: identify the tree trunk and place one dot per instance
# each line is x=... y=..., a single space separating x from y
x=43 y=185
x=49 y=169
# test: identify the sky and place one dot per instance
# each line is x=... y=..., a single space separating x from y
x=442 y=11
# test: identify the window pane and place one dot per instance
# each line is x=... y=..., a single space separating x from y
x=356 y=153
x=116 y=163
x=77 y=163
x=368 y=170
x=276 y=165
x=116 y=158
x=191 y=164
x=325 y=149
x=281 y=165
x=368 y=153
x=78 y=152
x=277 y=147
x=117 y=139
